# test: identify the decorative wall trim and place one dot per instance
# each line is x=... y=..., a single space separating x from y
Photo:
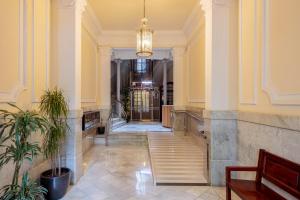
x=275 y=96
x=35 y=98
x=11 y=96
x=243 y=100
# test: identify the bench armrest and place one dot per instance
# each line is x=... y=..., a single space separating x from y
x=238 y=169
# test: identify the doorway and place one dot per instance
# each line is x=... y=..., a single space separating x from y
x=145 y=104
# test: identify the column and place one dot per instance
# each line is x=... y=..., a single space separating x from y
x=105 y=81
x=165 y=81
x=221 y=85
x=119 y=62
x=66 y=60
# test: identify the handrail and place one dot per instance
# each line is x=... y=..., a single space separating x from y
x=109 y=124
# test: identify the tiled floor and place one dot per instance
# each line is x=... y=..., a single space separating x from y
x=122 y=172
x=134 y=127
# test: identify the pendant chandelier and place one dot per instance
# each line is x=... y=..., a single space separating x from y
x=144 y=38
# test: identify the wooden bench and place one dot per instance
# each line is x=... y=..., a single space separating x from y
x=279 y=171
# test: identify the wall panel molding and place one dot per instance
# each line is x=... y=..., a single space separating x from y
x=12 y=95
x=276 y=97
x=242 y=99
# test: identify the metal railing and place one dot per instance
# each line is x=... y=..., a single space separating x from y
x=116 y=111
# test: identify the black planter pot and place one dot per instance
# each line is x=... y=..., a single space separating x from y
x=101 y=130
x=57 y=186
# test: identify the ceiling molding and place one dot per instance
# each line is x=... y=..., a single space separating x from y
x=91 y=22
x=194 y=22
x=127 y=39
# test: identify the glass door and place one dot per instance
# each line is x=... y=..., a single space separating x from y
x=142 y=105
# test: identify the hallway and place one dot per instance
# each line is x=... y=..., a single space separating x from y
x=123 y=172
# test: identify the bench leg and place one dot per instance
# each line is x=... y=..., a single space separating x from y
x=228 y=193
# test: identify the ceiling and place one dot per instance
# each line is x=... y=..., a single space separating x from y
x=126 y=14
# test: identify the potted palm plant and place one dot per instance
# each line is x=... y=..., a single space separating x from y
x=56 y=180
x=125 y=100
x=16 y=147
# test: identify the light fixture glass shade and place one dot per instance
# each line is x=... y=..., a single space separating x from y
x=144 y=40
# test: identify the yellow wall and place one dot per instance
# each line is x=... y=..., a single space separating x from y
x=89 y=69
x=23 y=61
x=269 y=58
x=195 y=64
x=23 y=51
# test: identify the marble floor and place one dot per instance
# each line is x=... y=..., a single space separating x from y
x=137 y=127
x=123 y=172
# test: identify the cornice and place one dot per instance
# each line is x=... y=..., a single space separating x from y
x=194 y=22
x=91 y=22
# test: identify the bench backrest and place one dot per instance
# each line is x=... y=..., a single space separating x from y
x=283 y=173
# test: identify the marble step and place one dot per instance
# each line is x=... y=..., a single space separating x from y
x=118 y=124
x=122 y=139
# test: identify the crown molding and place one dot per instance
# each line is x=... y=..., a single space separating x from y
x=91 y=22
x=194 y=22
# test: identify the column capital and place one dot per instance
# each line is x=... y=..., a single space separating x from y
x=165 y=60
x=118 y=61
x=65 y=4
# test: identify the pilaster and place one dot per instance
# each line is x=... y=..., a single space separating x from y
x=219 y=116
x=66 y=59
